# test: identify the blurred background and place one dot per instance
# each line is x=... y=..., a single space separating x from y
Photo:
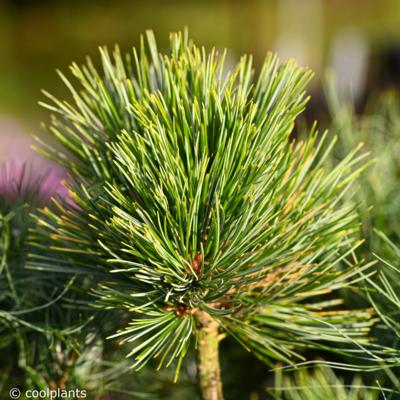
x=358 y=39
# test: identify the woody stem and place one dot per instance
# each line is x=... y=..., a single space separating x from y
x=209 y=371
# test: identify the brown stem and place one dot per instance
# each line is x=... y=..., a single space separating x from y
x=209 y=372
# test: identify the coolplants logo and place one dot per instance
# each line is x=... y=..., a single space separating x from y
x=48 y=394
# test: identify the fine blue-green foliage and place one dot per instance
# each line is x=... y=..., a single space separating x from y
x=188 y=192
x=322 y=384
x=378 y=127
x=46 y=339
x=27 y=299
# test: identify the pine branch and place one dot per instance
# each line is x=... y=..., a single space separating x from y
x=189 y=193
x=322 y=383
x=44 y=330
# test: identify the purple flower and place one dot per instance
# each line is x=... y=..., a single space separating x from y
x=20 y=182
x=26 y=176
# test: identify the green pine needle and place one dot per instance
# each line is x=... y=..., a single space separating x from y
x=188 y=192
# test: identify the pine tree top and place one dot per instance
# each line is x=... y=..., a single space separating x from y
x=188 y=193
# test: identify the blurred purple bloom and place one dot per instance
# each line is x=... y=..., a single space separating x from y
x=23 y=182
x=26 y=176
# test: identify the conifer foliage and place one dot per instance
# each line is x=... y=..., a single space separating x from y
x=38 y=336
x=194 y=210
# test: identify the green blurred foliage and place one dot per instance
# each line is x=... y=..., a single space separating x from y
x=36 y=37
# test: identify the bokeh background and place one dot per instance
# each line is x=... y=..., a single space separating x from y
x=358 y=39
